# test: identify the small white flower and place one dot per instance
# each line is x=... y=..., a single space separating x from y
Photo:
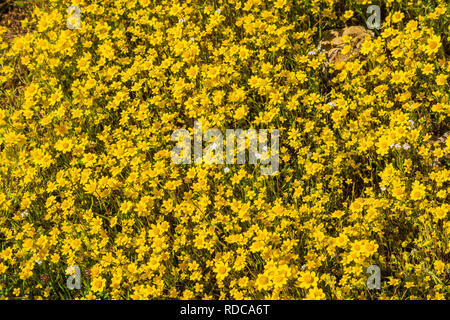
x=38 y=261
x=192 y=38
x=226 y=169
x=218 y=10
x=311 y=53
x=258 y=156
x=332 y=104
x=264 y=148
x=406 y=146
x=214 y=146
x=411 y=124
x=181 y=20
x=24 y=214
x=398 y=146
x=383 y=188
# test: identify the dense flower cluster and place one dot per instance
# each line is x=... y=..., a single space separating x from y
x=87 y=179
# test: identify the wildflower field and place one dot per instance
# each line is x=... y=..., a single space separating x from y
x=89 y=100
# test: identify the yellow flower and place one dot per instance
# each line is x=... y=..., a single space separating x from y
x=418 y=191
x=240 y=113
x=398 y=192
x=348 y=14
x=441 y=79
x=397 y=17
x=307 y=279
x=439 y=266
x=98 y=284
x=427 y=68
x=3 y=268
x=315 y=294
x=65 y=145
x=222 y=269
x=433 y=44
x=262 y=282
x=16 y=292
x=441 y=212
